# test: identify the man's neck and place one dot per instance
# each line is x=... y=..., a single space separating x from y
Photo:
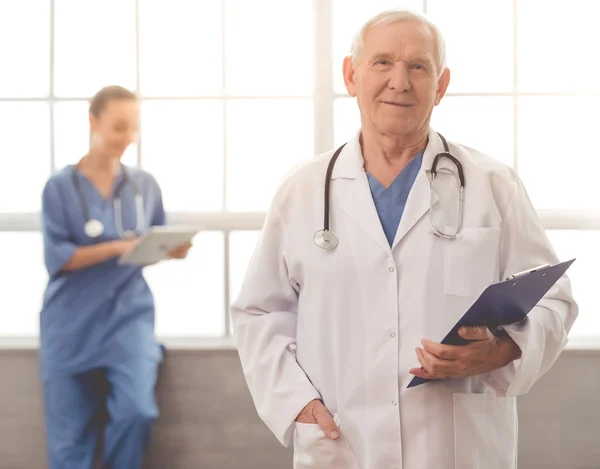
x=385 y=157
x=391 y=150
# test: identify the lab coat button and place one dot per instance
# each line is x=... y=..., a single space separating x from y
x=392 y=335
x=392 y=269
x=394 y=403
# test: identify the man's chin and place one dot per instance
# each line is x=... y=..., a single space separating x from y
x=399 y=128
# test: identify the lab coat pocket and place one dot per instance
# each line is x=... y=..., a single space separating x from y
x=314 y=450
x=471 y=261
x=485 y=432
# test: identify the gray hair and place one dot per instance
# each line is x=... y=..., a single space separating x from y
x=393 y=16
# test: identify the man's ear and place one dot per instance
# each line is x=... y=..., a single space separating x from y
x=443 y=83
x=348 y=70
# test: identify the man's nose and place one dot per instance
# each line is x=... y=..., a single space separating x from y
x=399 y=80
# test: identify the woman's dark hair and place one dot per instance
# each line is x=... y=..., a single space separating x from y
x=106 y=94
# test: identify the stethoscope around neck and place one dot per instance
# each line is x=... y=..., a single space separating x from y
x=95 y=228
x=327 y=239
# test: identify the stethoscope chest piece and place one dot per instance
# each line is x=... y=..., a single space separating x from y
x=326 y=239
x=93 y=228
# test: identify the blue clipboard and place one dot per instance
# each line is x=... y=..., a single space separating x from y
x=505 y=303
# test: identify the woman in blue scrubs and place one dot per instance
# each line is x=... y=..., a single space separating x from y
x=98 y=350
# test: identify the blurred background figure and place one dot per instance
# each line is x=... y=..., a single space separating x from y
x=97 y=322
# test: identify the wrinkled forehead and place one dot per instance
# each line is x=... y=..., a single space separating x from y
x=403 y=38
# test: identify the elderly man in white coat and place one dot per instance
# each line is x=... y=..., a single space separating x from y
x=330 y=338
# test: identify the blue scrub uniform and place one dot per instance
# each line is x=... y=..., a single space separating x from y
x=391 y=201
x=96 y=326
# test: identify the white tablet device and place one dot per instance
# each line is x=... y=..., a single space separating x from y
x=156 y=243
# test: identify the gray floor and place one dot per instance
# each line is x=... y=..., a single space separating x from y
x=208 y=421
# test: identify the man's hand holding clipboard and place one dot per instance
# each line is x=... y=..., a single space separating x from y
x=477 y=342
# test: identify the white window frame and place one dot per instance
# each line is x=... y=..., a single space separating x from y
x=323 y=98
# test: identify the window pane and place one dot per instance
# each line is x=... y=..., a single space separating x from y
x=265 y=139
x=485 y=64
x=25 y=50
x=182 y=146
x=22 y=271
x=25 y=150
x=560 y=51
x=189 y=294
x=72 y=135
x=483 y=123
x=346 y=120
x=269 y=48
x=94 y=45
x=181 y=48
x=348 y=17
x=241 y=246
x=556 y=161
x=583 y=274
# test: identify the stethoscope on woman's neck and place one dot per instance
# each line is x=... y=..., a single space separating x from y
x=95 y=228
x=327 y=239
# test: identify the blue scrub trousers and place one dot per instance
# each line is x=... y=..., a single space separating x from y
x=74 y=405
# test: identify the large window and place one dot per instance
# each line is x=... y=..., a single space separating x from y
x=236 y=92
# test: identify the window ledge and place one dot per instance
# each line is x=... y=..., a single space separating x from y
x=583 y=343
x=228 y=343
x=171 y=343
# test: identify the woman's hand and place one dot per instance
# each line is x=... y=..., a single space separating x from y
x=85 y=256
x=179 y=252
x=123 y=245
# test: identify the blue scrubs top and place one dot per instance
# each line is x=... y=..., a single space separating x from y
x=104 y=313
x=390 y=201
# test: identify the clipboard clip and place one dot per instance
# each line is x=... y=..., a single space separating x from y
x=529 y=271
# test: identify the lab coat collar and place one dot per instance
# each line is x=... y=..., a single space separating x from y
x=418 y=202
x=355 y=198
x=351 y=164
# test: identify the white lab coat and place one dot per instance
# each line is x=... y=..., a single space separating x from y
x=342 y=325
